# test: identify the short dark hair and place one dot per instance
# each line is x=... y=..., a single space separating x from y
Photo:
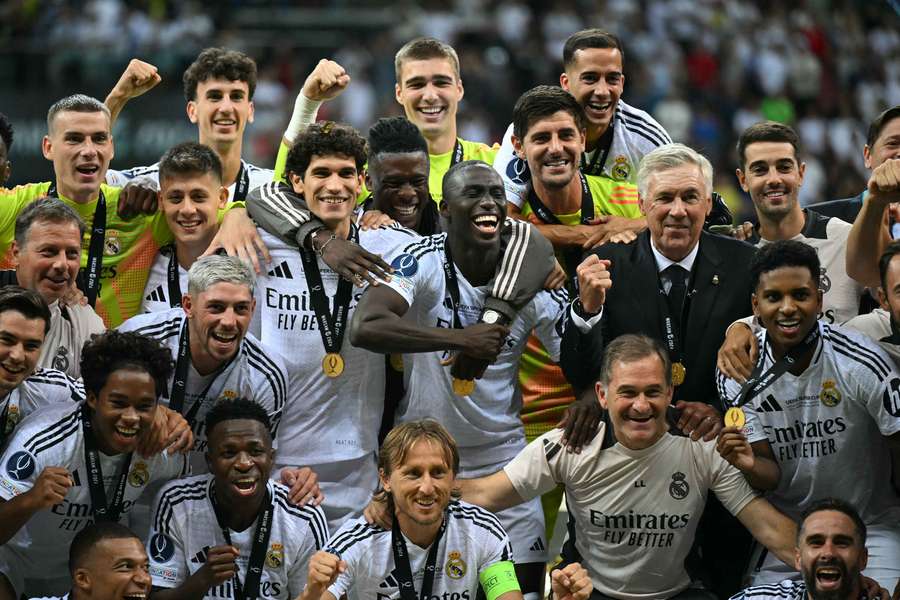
x=631 y=347
x=219 y=63
x=91 y=535
x=541 y=102
x=425 y=48
x=27 y=302
x=884 y=261
x=6 y=131
x=114 y=350
x=590 y=38
x=75 y=103
x=325 y=139
x=785 y=253
x=234 y=409
x=837 y=505
x=395 y=135
x=188 y=158
x=767 y=131
x=880 y=122
x=48 y=209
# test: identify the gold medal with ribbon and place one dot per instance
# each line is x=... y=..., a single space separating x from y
x=332 y=364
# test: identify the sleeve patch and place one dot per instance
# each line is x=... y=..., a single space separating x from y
x=20 y=465
x=405 y=265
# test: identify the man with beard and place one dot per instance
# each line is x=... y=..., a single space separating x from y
x=442 y=282
x=822 y=410
x=233 y=533
x=831 y=553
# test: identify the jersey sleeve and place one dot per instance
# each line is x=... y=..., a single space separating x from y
x=312 y=540
x=276 y=208
x=541 y=465
x=35 y=444
x=165 y=545
x=880 y=388
x=512 y=169
x=414 y=272
x=550 y=319
x=349 y=544
x=495 y=545
x=727 y=483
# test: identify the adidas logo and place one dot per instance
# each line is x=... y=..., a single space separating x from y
x=538 y=545
x=281 y=270
x=200 y=557
x=389 y=583
x=770 y=404
x=157 y=295
x=551 y=449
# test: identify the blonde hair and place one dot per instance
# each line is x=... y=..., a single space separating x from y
x=400 y=440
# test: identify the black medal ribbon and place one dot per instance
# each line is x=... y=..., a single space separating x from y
x=759 y=381
x=332 y=323
x=172 y=276
x=241 y=184
x=403 y=568
x=3 y=417
x=452 y=283
x=672 y=324
x=179 y=380
x=457 y=153
x=95 y=249
x=571 y=256
x=102 y=510
x=600 y=154
x=250 y=588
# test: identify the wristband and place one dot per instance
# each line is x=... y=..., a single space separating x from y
x=498 y=579
x=304 y=113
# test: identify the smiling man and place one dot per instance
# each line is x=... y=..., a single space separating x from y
x=830 y=555
x=438 y=546
x=190 y=196
x=822 y=409
x=70 y=464
x=441 y=282
x=233 y=533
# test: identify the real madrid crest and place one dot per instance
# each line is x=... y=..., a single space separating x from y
x=228 y=395
x=621 y=170
x=12 y=417
x=679 y=488
x=830 y=395
x=139 y=475
x=61 y=360
x=456 y=566
x=111 y=244
x=275 y=556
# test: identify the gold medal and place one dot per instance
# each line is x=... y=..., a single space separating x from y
x=332 y=364
x=397 y=362
x=677 y=373
x=463 y=387
x=734 y=417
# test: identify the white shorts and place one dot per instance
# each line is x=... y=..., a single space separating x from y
x=348 y=486
x=524 y=523
x=882 y=542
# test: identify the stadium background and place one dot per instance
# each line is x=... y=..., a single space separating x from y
x=704 y=68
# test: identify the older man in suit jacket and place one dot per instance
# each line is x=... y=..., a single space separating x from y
x=680 y=285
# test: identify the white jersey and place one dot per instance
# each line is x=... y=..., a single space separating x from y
x=256 y=373
x=156 y=292
x=255 y=176
x=486 y=424
x=635 y=511
x=827 y=426
x=339 y=416
x=53 y=437
x=789 y=589
x=877 y=326
x=841 y=293
x=635 y=133
x=42 y=388
x=70 y=328
x=473 y=541
x=185 y=527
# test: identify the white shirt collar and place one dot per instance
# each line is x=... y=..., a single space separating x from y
x=662 y=263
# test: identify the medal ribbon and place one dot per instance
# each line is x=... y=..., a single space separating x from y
x=452 y=283
x=759 y=381
x=600 y=154
x=673 y=338
x=95 y=249
x=332 y=323
x=5 y=415
x=403 y=569
x=179 y=381
x=101 y=510
x=457 y=153
x=241 y=184
x=250 y=589
x=172 y=277
x=571 y=256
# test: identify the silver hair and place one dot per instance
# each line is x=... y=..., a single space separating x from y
x=75 y=103
x=671 y=156
x=210 y=270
